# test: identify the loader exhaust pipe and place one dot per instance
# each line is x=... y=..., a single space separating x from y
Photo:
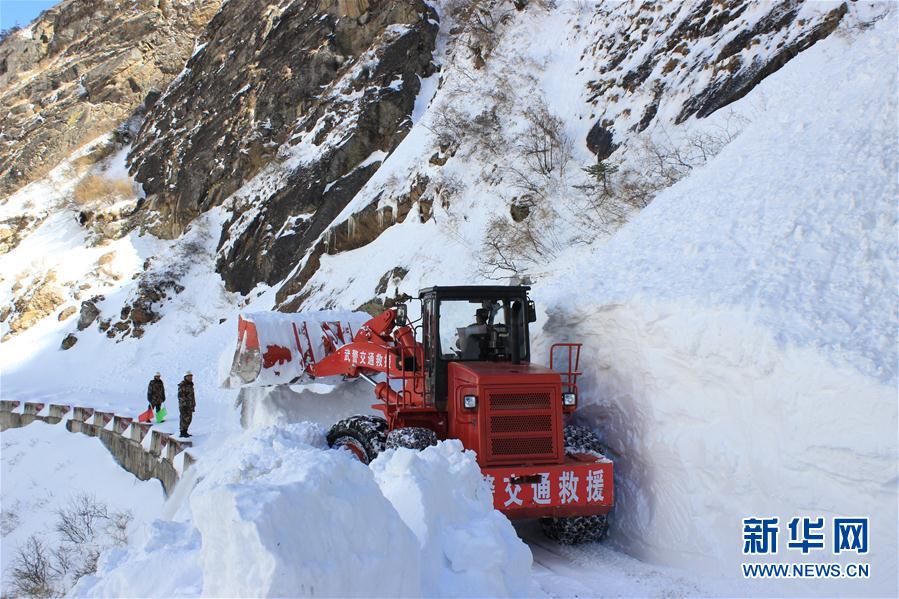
x=515 y=333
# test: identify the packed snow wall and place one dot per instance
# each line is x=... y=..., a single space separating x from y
x=740 y=333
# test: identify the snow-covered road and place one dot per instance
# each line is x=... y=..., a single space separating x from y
x=598 y=570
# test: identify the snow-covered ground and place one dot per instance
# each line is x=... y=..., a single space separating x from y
x=45 y=468
x=740 y=352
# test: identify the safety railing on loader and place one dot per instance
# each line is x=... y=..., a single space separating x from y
x=414 y=376
x=573 y=353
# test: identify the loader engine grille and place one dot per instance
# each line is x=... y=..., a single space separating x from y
x=522 y=446
x=513 y=424
x=521 y=427
x=520 y=401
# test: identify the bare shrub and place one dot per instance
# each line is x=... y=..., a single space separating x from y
x=32 y=573
x=447 y=188
x=452 y=126
x=511 y=248
x=64 y=559
x=656 y=162
x=117 y=529
x=542 y=152
x=480 y=22
x=78 y=522
x=659 y=162
x=501 y=256
x=544 y=145
x=448 y=125
x=96 y=188
x=603 y=208
x=85 y=527
x=87 y=564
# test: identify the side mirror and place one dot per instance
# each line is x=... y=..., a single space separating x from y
x=402 y=317
x=532 y=311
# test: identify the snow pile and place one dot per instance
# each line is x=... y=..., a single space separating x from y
x=467 y=547
x=275 y=514
x=299 y=522
x=741 y=331
x=171 y=548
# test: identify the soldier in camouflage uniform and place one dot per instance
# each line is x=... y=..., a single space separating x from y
x=155 y=393
x=186 y=402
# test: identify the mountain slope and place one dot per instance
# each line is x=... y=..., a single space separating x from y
x=734 y=289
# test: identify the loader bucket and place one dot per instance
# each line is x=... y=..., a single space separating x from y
x=274 y=348
x=246 y=364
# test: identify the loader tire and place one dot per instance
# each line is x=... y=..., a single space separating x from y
x=578 y=529
x=364 y=436
x=580 y=439
x=411 y=437
x=575 y=530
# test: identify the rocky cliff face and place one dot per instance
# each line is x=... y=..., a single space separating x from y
x=694 y=57
x=83 y=68
x=301 y=99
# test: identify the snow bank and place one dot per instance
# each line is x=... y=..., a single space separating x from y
x=279 y=517
x=711 y=421
x=467 y=547
x=740 y=333
x=163 y=561
x=276 y=514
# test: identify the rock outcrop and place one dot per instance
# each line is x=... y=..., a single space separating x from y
x=701 y=55
x=66 y=313
x=80 y=70
x=89 y=313
x=68 y=342
x=40 y=299
x=305 y=99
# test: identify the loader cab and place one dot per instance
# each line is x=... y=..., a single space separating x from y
x=472 y=324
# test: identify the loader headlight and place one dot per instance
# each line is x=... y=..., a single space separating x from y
x=470 y=401
x=569 y=399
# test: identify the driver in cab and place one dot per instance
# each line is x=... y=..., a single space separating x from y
x=470 y=338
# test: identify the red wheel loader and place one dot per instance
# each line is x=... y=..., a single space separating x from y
x=463 y=371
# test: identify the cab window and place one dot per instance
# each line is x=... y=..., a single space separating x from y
x=475 y=330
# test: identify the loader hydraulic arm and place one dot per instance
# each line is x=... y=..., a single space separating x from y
x=378 y=346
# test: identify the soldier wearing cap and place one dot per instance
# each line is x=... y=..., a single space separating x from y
x=186 y=402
